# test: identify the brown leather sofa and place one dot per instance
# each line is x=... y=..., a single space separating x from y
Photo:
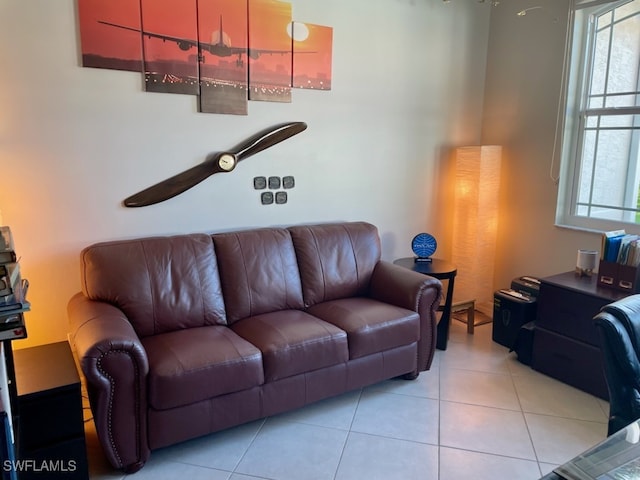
x=182 y=336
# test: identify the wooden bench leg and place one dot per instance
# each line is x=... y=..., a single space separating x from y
x=471 y=318
x=470 y=308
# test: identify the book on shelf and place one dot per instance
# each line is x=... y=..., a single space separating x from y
x=7 y=250
x=607 y=240
x=620 y=247
x=12 y=326
x=9 y=278
x=16 y=300
x=6 y=239
x=8 y=257
x=628 y=246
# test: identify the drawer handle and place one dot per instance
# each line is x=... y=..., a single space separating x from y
x=606 y=280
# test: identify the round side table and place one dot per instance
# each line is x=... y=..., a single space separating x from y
x=441 y=270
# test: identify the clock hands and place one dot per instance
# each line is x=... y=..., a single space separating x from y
x=216 y=163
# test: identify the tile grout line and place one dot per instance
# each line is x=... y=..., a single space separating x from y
x=524 y=418
x=246 y=450
x=348 y=436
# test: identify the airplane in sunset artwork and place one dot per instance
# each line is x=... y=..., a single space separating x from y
x=102 y=48
x=221 y=47
x=205 y=48
x=222 y=34
x=167 y=69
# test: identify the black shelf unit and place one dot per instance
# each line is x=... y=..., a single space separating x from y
x=48 y=419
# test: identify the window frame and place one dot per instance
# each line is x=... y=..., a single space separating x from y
x=577 y=76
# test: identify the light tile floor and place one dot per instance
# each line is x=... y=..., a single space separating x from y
x=477 y=414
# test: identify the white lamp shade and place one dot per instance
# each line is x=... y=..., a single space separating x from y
x=475 y=224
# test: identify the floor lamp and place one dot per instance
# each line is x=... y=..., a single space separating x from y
x=475 y=225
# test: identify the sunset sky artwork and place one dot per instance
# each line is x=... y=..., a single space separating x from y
x=225 y=51
x=312 y=56
x=233 y=16
x=175 y=18
x=223 y=79
x=104 y=46
x=270 y=49
x=169 y=66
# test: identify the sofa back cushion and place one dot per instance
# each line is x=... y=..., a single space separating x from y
x=258 y=271
x=335 y=260
x=162 y=284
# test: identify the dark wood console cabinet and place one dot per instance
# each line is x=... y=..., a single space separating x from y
x=566 y=343
x=50 y=426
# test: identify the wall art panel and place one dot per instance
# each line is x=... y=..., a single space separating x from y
x=270 y=51
x=106 y=46
x=170 y=47
x=222 y=26
x=225 y=51
x=312 y=52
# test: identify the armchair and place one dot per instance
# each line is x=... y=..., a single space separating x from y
x=618 y=325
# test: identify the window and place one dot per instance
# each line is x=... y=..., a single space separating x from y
x=601 y=149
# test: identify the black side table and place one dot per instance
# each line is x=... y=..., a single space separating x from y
x=50 y=429
x=441 y=270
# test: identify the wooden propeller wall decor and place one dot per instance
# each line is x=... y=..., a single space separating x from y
x=220 y=162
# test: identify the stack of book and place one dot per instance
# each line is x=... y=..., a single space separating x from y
x=13 y=290
x=620 y=261
x=620 y=247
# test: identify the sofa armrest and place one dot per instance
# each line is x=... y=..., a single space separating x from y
x=414 y=291
x=115 y=367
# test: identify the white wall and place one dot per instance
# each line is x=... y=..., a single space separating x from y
x=408 y=82
x=524 y=70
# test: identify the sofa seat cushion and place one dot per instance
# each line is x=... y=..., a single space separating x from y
x=195 y=364
x=293 y=342
x=372 y=326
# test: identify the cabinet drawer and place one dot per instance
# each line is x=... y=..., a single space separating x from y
x=569 y=313
x=49 y=425
x=52 y=417
x=61 y=461
x=570 y=361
